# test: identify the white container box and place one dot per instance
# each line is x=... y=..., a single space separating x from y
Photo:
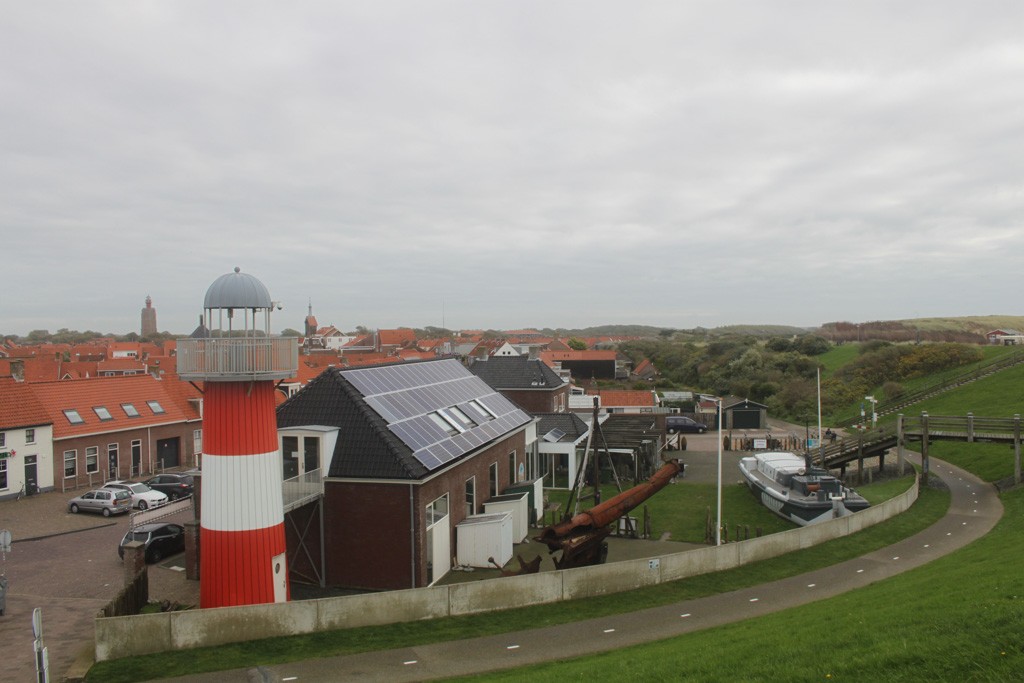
x=519 y=505
x=479 y=537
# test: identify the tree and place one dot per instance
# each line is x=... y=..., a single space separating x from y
x=577 y=344
x=289 y=332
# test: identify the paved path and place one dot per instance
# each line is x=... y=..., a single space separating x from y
x=975 y=508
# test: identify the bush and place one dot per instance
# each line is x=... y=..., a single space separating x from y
x=892 y=390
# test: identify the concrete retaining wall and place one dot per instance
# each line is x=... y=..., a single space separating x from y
x=118 y=637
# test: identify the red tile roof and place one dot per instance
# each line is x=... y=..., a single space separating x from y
x=19 y=407
x=622 y=398
x=111 y=393
x=399 y=337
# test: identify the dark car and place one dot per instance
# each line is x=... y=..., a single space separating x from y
x=681 y=423
x=174 y=485
x=162 y=539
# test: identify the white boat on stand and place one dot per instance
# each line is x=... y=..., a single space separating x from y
x=794 y=489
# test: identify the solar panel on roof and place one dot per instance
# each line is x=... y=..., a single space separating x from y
x=554 y=435
x=405 y=395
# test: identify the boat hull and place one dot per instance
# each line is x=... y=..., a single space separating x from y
x=789 y=504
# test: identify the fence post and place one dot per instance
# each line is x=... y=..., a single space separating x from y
x=970 y=427
x=924 y=447
x=1016 y=449
x=901 y=445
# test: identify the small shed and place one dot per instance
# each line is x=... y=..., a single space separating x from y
x=519 y=505
x=745 y=414
x=481 y=537
x=535 y=489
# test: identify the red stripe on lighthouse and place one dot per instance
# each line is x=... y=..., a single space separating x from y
x=239 y=418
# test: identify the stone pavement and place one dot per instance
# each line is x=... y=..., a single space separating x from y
x=67 y=565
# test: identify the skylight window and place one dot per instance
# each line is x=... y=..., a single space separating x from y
x=130 y=410
x=448 y=427
x=451 y=420
x=482 y=410
x=73 y=416
x=461 y=417
x=102 y=413
x=155 y=407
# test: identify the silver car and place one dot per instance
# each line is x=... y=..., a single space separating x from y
x=105 y=501
x=143 y=497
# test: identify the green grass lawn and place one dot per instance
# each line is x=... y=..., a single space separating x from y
x=959 y=618
x=931 y=505
x=837 y=357
x=681 y=510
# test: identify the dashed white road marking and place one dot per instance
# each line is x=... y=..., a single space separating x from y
x=411 y=661
x=754 y=599
x=609 y=630
x=512 y=647
x=811 y=585
x=683 y=616
x=860 y=571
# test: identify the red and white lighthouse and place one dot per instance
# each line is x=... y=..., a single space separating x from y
x=242 y=538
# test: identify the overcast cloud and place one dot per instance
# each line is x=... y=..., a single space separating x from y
x=512 y=164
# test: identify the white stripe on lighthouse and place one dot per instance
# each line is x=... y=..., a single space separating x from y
x=242 y=492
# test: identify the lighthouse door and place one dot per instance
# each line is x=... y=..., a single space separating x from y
x=278 y=566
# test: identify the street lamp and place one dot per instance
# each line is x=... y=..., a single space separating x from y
x=718 y=524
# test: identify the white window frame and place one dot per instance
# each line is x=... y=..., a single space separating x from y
x=30 y=436
x=94 y=453
x=74 y=463
x=471 y=496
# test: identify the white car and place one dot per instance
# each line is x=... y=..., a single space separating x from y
x=143 y=497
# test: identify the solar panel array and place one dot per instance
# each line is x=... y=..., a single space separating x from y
x=407 y=395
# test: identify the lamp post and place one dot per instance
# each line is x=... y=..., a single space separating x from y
x=718 y=524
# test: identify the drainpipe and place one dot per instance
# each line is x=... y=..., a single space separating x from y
x=412 y=539
x=149 y=447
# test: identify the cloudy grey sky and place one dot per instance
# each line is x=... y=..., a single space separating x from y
x=512 y=164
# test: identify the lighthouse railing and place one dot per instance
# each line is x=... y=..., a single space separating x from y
x=238 y=358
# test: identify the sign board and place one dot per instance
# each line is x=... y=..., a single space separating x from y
x=760 y=444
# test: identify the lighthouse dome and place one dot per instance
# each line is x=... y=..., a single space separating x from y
x=237 y=290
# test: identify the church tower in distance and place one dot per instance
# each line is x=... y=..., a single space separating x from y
x=148 y=318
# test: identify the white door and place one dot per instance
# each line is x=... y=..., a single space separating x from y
x=280 y=568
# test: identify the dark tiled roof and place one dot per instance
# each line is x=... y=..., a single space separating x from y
x=570 y=423
x=516 y=372
x=366 y=446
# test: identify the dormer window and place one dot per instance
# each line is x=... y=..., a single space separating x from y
x=73 y=417
x=130 y=410
x=155 y=407
x=102 y=413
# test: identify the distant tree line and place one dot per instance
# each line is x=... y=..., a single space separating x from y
x=782 y=372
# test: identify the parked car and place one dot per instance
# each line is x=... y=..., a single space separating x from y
x=681 y=423
x=143 y=497
x=162 y=539
x=174 y=485
x=105 y=501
